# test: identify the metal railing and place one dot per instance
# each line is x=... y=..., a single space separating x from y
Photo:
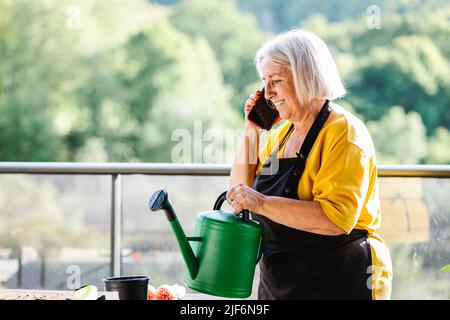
x=200 y=169
x=116 y=170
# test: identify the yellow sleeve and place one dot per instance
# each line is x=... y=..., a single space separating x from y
x=342 y=183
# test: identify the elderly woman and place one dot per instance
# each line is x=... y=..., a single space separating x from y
x=314 y=186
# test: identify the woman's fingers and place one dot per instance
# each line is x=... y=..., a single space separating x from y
x=242 y=197
x=258 y=93
x=237 y=197
x=249 y=105
x=228 y=198
x=238 y=200
x=251 y=101
x=234 y=191
x=238 y=203
x=230 y=194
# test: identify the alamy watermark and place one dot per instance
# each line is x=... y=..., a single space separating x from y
x=73 y=281
x=73 y=20
x=217 y=146
x=374 y=281
x=374 y=17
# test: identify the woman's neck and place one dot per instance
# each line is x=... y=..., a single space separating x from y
x=304 y=121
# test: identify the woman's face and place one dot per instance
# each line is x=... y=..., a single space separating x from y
x=280 y=88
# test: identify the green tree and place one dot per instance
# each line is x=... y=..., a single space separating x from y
x=35 y=57
x=281 y=15
x=234 y=37
x=399 y=137
x=144 y=87
x=412 y=73
x=115 y=99
x=58 y=82
x=25 y=134
x=157 y=81
x=190 y=88
x=402 y=63
x=438 y=147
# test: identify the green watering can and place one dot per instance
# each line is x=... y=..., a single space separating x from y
x=225 y=249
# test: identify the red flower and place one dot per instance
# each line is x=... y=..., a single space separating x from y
x=164 y=293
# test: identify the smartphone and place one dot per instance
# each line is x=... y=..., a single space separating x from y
x=264 y=114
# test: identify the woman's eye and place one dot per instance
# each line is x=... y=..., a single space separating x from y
x=276 y=81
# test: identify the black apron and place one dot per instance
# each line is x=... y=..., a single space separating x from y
x=301 y=265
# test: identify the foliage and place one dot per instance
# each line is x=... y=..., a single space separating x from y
x=387 y=76
x=398 y=137
x=282 y=15
x=91 y=95
x=234 y=37
x=35 y=57
x=399 y=64
x=117 y=86
x=437 y=152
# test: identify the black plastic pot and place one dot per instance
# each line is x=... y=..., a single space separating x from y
x=128 y=287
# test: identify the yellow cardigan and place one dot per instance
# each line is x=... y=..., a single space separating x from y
x=341 y=174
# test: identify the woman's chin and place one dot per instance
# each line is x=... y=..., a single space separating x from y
x=283 y=114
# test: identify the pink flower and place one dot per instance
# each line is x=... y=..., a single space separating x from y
x=166 y=292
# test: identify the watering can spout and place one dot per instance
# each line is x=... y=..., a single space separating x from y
x=159 y=200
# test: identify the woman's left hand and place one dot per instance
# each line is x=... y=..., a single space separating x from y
x=242 y=197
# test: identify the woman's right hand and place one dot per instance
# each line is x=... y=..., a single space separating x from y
x=251 y=101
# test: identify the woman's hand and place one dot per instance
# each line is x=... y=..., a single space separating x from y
x=249 y=104
x=242 y=197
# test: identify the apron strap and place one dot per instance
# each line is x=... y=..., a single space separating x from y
x=291 y=187
x=275 y=152
x=291 y=128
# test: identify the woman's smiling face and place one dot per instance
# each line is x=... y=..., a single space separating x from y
x=280 y=88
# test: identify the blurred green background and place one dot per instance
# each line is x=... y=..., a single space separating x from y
x=110 y=80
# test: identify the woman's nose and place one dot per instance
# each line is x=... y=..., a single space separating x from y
x=269 y=93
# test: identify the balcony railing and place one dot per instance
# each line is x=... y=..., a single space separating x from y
x=430 y=171
x=117 y=170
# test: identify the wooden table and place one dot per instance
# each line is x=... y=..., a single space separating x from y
x=23 y=294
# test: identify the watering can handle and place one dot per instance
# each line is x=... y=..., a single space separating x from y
x=245 y=217
x=221 y=199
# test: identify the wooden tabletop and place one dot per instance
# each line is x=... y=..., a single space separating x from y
x=24 y=294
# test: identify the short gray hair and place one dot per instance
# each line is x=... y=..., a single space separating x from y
x=307 y=56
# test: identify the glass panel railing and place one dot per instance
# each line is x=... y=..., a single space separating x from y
x=416 y=225
x=149 y=244
x=54 y=230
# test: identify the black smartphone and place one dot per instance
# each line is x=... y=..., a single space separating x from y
x=264 y=114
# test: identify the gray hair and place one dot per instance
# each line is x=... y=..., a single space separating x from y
x=307 y=56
